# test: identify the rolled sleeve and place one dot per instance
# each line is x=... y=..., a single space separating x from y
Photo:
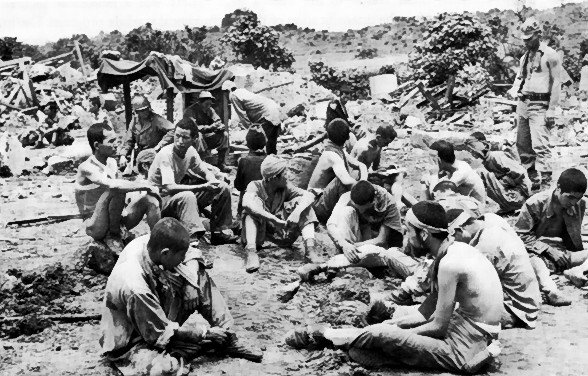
x=150 y=320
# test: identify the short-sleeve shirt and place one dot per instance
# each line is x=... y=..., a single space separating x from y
x=169 y=168
x=468 y=182
x=274 y=204
x=384 y=212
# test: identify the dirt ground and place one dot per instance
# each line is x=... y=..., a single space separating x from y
x=555 y=347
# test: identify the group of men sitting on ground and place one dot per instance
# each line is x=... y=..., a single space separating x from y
x=161 y=305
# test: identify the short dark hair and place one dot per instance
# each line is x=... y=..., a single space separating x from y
x=188 y=124
x=445 y=185
x=452 y=214
x=169 y=233
x=96 y=133
x=362 y=192
x=387 y=132
x=338 y=131
x=255 y=139
x=478 y=136
x=572 y=180
x=444 y=151
x=432 y=213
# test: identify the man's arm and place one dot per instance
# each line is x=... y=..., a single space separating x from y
x=169 y=184
x=305 y=201
x=447 y=277
x=525 y=226
x=122 y=185
x=216 y=125
x=380 y=240
x=363 y=171
x=554 y=65
x=337 y=235
x=339 y=168
x=129 y=142
x=376 y=162
x=253 y=204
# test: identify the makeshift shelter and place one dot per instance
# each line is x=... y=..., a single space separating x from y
x=175 y=75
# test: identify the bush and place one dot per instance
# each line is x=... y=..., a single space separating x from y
x=450 y=42
x=367 y=53
x=256 y=44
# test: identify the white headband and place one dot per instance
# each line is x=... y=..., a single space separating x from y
x=414 y=221
x=459 y=221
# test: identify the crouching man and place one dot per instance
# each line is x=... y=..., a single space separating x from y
x=100 y=195
x=162 y=309
x=438 y=336
x=274 y=208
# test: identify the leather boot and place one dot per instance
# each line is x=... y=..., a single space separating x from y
x=221 y=160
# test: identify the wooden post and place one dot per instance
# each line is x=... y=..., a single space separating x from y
x=429 y=97
x=449 y=92
x=127 y=98
x=170 y=104
x=81 y=59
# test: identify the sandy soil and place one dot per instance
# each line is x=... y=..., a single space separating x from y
x=555 y=347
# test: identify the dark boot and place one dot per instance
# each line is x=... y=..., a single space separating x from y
x=221 y=160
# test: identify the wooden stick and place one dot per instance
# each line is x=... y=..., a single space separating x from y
x=62 y=317
x=77 y=47
x=48 y=218
x=55 y=58
x=273 y=87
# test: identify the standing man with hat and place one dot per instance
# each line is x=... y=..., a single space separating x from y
x=211 y=128
x=537 y=86
x=147 y=130
x=252 y=109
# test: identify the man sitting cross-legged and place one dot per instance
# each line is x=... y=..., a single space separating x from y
x=506 y=180
x=274 y=208
x=438 y=336
x=550 y=224
x=182 y=201
x=161 y=308
x=333 y=173
x=100 y=195
x=499 y=242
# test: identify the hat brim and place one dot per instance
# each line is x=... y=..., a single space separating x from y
x=141 y=108
x=207 y=98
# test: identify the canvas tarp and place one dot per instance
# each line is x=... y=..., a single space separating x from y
x=172 y=71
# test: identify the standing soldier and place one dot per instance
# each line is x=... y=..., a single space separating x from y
x=537 y=86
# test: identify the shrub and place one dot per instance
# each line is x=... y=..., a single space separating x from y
x=256 y=44
x=367 y=53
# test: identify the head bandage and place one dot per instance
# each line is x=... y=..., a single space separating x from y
x=414 y=221
x=459 y=221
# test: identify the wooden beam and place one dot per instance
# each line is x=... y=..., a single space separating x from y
x=429 y=97
x=127 y=100
x=170 y=104
x=81 y=59
x=273 y=87
x=19 y=61
x=449 y=92
x=55 y=58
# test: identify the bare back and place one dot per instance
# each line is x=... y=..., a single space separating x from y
x=323 y=172
x=478 y=290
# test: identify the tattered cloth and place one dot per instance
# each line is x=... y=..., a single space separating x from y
x=172 y=72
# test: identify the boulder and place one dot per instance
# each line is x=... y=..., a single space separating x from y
x=100 y=258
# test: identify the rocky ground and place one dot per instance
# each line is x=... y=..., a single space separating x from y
x=47 y=261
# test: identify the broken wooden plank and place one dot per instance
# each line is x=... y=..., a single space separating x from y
x=404 y=100
x=502 y=101
x=81 y=59
x=55 y=58
x=274 y=87
x=18 y=61
x=429 y=97
x=47 y=218
x=62 y=317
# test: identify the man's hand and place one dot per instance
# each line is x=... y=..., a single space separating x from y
x=217 y=335
x=279 y=223
x=122 y=162
x=557 y=256
x=350 y=251
x=293 y=221
x=549 y=122
x=213 y=186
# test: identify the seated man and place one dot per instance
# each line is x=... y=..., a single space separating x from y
x=505 y=179
x=147 y=130
x=501 y=245
x=161 y=308
x=210 y=126
x=438 y=336
x=332 y=172
x=550 y=224
x=249 y=166
x=252 y=108
x=274 y=208
x=368 y=150
x=100 y=196
x=183 y=201
x=468 y=182
x=366 y=215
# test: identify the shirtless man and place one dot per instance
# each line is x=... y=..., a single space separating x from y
x=368 y=150
x=333 y=172
x=436 y=337
x=100 y=195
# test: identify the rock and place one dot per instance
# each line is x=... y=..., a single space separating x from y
x=297 y=110
x=9 y=282
x=100 y=258
x=59 y=165
x=286 y=293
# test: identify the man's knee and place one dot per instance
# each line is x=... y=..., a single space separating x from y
x=185 y=196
